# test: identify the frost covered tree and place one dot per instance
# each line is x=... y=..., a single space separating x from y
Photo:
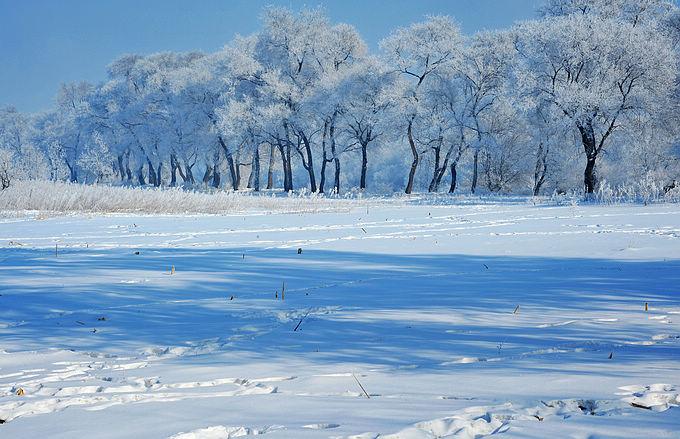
x=22 y=157
x=634 y=12
x=484 y=115
x=364 y=108
x=96 y=159
x=6 y=168
x=302 y=102
x=598 y=72
x=420 y=52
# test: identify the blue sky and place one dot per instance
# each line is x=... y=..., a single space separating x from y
x=46 y=42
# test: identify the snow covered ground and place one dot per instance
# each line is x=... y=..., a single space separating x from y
x=398 y=320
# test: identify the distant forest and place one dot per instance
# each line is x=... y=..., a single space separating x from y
x=585 y=94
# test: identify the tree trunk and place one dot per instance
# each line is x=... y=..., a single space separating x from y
x=475 y=171
x=232 y=172
x=270 y=170
x=255 y=172
x=416 y=158
x=364 y=164
x=140 y=175
x=128 y=171
x=454 y=176
x=251 y=175
x=289 y=170
x=188 y=174
x=230 y=162
x=589 y=177
x=216 y=178
x=151 y=172
x=337 y=175
x=173 y=170
x=309 y=165
x=285 y=162
x=73 y=173
x=541 y=169
x=438 y=170
x=159 y=179
x=121 y=167
x=324 y=158
x=336 y=159
x=590 y=148
x=237 y=184
x=322 y=181
x=207 y=175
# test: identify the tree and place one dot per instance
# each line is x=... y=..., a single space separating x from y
x=366 y=99
x=634 y=12
x=6 y=167
x=598 y=73
x=97 y=159
x=420 y=52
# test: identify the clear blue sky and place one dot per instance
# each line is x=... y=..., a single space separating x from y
x=46 y=42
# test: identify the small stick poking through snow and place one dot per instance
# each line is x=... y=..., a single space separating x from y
x=283 y=291
x=300 y=322
x=516 y=311
x=362 y=387
x=646 y=306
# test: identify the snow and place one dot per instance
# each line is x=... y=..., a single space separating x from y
x=461 y=320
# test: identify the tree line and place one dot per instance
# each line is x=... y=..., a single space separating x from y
x=586 y=91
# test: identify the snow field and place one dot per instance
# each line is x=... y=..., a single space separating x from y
x=458 y=321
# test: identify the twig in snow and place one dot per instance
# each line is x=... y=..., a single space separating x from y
x=516 y=311
x=362 y=387
x=300 y=322
x=283 y=290
x=363 y=230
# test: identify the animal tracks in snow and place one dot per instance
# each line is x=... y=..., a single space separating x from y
x=55 y=390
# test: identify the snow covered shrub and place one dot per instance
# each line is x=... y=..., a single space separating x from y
x=650 y=188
